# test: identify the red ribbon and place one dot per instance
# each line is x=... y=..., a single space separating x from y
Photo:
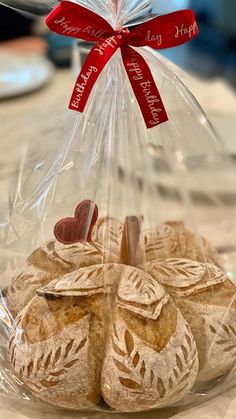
x=71 y=19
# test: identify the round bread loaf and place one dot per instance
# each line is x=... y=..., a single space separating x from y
x=106 y=330
x=206 y=299
x=173 y=240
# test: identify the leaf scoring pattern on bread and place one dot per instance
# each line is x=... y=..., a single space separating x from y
x=47 y=370
x=147 y=371
x=140 y=376
x=184 y=276
x=225 y=335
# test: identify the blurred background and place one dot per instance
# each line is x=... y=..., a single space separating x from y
x=212 y=54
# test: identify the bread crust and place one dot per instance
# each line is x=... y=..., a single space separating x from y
x=50 y=261
x=206 y=298
x=93 y=328
x=172 y=240
x=85 y=336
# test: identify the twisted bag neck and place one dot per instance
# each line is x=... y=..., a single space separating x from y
x=166 y=31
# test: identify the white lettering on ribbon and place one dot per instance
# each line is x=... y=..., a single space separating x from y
x=112 y=42
x=152 y=100
x=134 y=68
x=67 y=28
x=80 y=87
x=94 y=32
x=186 y=30
x=154 y=38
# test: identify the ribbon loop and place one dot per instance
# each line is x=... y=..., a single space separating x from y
x=71 y=19
x=168 y=31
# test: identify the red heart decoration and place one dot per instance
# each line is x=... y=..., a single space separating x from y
x=78 y=229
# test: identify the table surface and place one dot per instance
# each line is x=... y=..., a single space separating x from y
x=23 y=117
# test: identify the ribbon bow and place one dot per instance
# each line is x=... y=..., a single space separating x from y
x=71 y=19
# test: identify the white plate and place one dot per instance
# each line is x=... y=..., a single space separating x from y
x=20 y=74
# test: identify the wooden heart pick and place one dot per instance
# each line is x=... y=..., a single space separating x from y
x=78 y=229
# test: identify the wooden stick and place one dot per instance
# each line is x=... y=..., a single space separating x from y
x=129 y=251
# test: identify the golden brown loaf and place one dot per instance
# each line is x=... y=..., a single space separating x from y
x=106 y=330
x=92 y=328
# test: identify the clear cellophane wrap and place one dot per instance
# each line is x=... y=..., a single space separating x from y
x=139 y=312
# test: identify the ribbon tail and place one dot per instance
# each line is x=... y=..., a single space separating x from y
x=144 y=87
x=97 y=59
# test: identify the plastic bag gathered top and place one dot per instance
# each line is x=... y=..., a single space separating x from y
x=118 y=258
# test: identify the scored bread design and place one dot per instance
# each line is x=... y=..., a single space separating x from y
x=107 y=330
x=60 y=258
x=206 y=299
x=169 y=239
x=173 y=240
x=51 y=261
x=108 y=232
x=95 y=322
x=24 y=286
